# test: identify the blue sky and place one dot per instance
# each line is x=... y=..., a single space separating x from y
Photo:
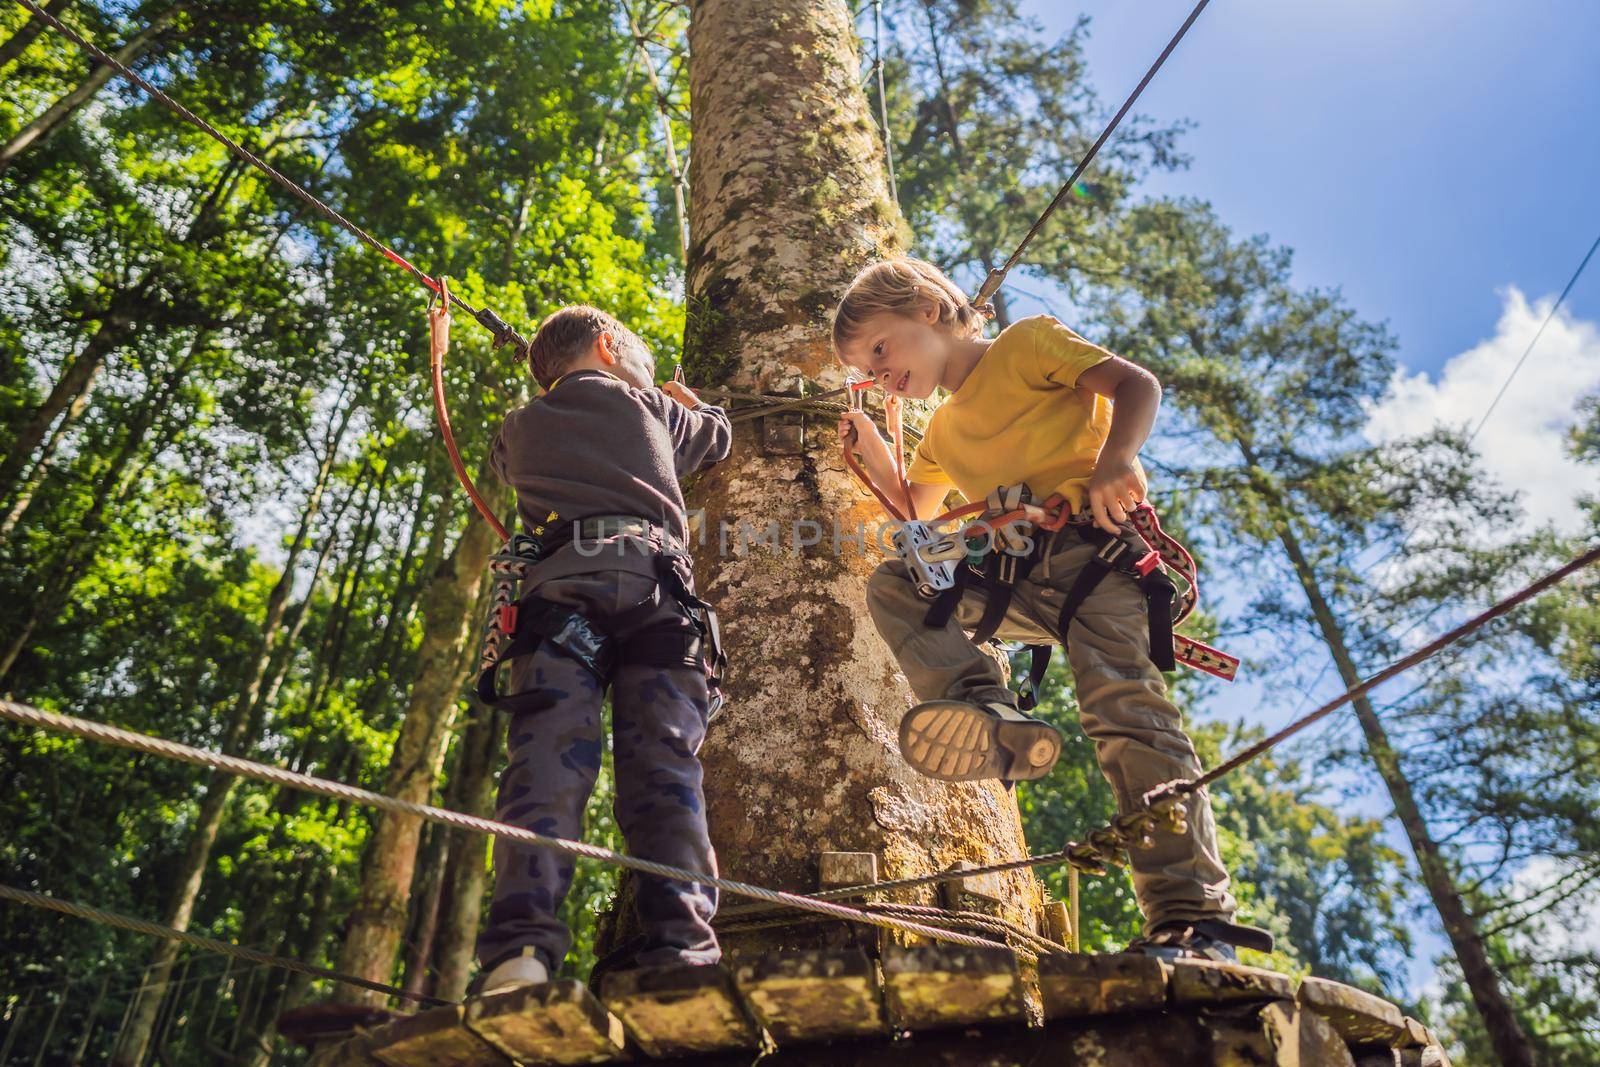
x=1438 y=161
x=1420 y=154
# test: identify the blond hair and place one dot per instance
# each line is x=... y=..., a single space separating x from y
x=902 y=287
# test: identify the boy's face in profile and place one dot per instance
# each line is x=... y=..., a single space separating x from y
x=905 y=355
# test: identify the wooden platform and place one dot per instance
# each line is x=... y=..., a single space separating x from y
x=931 y=1005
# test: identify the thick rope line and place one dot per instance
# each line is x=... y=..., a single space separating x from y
x=779 y=404
x=156 y=746
x=222 y=948
x=1400 y=666
x=997 y=277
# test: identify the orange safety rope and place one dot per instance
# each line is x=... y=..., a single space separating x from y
x=438 y=346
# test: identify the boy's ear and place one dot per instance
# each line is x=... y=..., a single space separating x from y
x=930 y=312
x=605 y=346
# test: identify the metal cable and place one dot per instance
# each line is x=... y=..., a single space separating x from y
x=997 y=276
x=1405 y=663
x=883 y=100
x=778 y=405
x=1538 y=334
x=1022 y=939
x=156 y=746
x=1102 y=846
x=225 y=948
x=503 y=334
x=289 y=184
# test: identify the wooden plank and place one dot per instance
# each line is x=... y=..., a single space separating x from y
x=434 y=1038
x=1302 y=1038
x=678 y=1010
x=1362 y=1019
x=1055 y=922
x=814 y=995
x=1414 y=1035
x=555 y=1022
x=351 y=1052
x=1078 y=986
x=930 y=987
x=835 y=870
x=1200 y=982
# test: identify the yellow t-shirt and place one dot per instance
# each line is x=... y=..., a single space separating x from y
x=1020 y=417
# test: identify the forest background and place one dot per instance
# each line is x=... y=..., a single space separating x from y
x=225 y=516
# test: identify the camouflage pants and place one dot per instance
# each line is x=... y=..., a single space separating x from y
x=658 y=723
x=1122 y=703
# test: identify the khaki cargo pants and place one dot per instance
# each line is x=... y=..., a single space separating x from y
x=1122 y=703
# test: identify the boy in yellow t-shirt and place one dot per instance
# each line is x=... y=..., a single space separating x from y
x=1037 y=406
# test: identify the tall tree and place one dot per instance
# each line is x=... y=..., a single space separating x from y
x=788 y=198
x=1274 y=381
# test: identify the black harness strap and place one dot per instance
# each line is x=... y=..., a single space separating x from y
x=693 y=639
x=998 y=579
x=1159 y=591
x=1157 y=587
x=1001 y=572
x=1038 y=664
x=539 y=621
x=944 y=605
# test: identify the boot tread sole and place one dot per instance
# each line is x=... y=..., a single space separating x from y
x=955 y=741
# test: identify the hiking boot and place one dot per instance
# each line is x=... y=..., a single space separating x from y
x=513 y=972
x=958 y=741
x=1206 y=939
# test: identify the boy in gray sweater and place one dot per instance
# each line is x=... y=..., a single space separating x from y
x=595 y=463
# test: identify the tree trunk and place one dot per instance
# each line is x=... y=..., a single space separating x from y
x=28 y=489
x=71 y=389
x=788 y=200
x=29 y=31
x=379 y=918
x=473 y=793
x=1510 y=1043
x=39 y=130
x=430 y=894
x=237 y=735
x=109 y=489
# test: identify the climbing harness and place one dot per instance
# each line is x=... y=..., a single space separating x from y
x=518 y=625
x=994 y=548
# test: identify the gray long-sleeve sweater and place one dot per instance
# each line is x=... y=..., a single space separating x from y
x=595 y=445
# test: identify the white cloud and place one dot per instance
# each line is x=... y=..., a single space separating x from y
x=1524 y=443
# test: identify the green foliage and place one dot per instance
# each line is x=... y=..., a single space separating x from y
x=239 y=342
x=248 y=492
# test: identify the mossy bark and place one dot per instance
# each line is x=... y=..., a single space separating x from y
x=789 y=199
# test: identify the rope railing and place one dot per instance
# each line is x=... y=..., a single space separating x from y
x=1102 y=847
x=103 y=733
